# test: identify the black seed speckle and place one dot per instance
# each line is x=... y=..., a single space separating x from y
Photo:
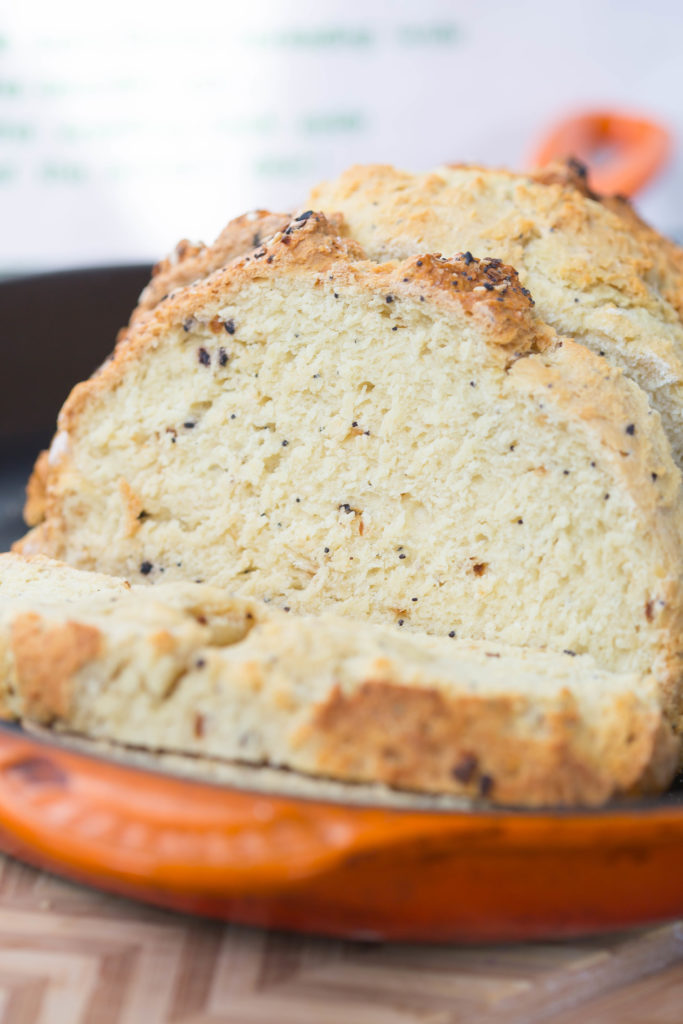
x=465 y=768
x=631 y=429
x=222 y=356
x=580 y=169
x=485 y=785
x=230 y=326
x=146 y=568
x=203 y=357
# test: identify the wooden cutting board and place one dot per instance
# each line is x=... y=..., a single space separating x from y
x=69 y=955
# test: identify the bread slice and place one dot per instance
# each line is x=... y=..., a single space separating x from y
x=188 y=263
x=595 y=270
x=403 y=443
x=185 y=668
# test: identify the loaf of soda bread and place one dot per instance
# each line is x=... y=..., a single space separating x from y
x=405 y=443
x=185 y=668
x=595 y=270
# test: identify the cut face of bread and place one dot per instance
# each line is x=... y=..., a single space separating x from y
x=404 y=443
x=595 y=270
x=185 y=668
x=187 y=264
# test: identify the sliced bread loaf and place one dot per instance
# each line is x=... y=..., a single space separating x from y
x=185 y=668
x=404 y=443
x=596 y=271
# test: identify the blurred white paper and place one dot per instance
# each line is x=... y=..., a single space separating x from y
x=125 y=128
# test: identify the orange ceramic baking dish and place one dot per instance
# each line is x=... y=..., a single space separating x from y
x=362 y=872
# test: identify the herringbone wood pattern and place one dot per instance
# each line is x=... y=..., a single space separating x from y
x=69 y=955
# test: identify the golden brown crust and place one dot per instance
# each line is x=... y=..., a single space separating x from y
x=580 y=241
x=191 y=262
x=34 y=543
x=501 y=748
x=567 y=173
x=486 y=289
x=46 y=659
x=666 y=255
x=34 y=507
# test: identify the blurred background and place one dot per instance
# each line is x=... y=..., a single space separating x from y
x=124 y=127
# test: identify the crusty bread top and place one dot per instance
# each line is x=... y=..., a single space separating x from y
x=191 y=262
x=186 y=668
x=666 y=255
x=458 y=466
x=596 y=271
x=311 y=243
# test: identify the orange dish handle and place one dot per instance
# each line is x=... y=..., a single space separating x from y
x=622 y=153
x=105 y=820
